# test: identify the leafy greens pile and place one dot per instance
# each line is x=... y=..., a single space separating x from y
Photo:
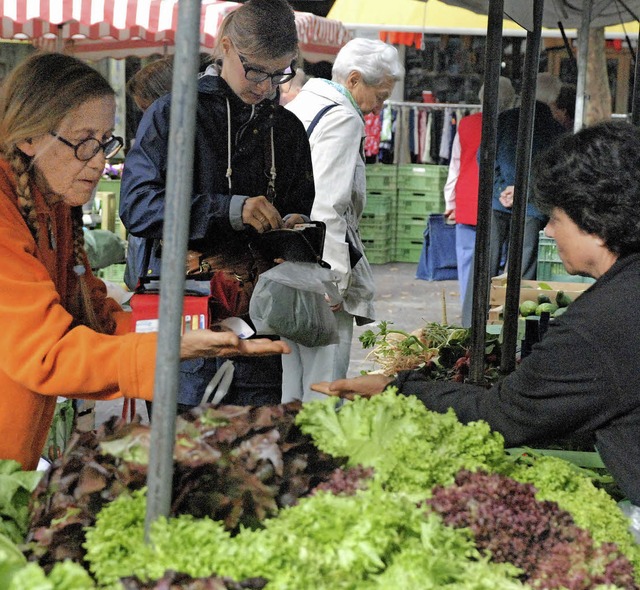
x=591 y=507
x=512 y=526
x=410 y=448
x=237 y=465
x=377 y=493
x=440 y=350
x=15 y=492
x=368 y=540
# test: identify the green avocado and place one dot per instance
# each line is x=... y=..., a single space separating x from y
x=562 y=299
x=548 y=307
x=528 y=308
x=543 y=299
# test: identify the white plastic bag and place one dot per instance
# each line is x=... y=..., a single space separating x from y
x=291 y=300
x=633 y=513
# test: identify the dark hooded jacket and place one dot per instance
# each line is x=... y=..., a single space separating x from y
x=216 y=208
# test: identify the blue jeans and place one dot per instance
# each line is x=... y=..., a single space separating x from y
x=465 y=246
x=257 y=381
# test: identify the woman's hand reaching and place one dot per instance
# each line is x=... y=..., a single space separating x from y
x=365 y=386
x=205 y=343
x=260 y=214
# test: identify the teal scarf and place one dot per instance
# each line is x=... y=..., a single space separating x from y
x=342 y=90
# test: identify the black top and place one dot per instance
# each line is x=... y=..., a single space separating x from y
x=583 y=378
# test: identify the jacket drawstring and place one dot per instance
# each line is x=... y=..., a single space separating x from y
x=271 y=188
x=229 y=171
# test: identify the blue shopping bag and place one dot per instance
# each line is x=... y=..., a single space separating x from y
x=438 y=258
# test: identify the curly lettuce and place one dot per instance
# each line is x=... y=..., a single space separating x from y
x=411 y=448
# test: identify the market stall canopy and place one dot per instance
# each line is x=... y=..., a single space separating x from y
x=468 y=17
x=94 y=29
x=433 y=17
x=568 y=12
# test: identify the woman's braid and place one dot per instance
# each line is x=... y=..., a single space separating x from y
x=25 y=197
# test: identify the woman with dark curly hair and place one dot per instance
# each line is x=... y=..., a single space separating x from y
x=582 y=378
x=592 y=179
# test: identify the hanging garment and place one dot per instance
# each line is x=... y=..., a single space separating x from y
x=448 y=133
x=404 y=155
x=372 y=129
x=428 y=135
x=413 y=146
x=422 y=134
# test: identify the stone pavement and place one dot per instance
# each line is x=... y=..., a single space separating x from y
x=401 y=298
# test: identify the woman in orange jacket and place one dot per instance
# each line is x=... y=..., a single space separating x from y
x=59 y=333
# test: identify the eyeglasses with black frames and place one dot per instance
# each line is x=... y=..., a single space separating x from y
x=257 y=76
x=88 y=148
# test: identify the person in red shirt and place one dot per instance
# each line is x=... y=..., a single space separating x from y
x=461 y=188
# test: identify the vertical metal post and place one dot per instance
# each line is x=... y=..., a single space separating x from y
x=635 y=99
x=493 y=60
x=583 y=56
x=60 y=38
x=521 y=188
x=175 y=236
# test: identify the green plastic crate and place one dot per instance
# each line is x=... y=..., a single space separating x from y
x=113 y=273
x=422 y=177
x=380 y=203
x=377 y=251
x=370 y=218
x=378 y=256
x=110 y=186
x=415 y=203
x=550 y=267
x=381 y=177
x=410 y=227
x=379 y=231
x=407 y=250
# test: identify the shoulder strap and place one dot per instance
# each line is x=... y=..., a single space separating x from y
x=148 y=246
x=321 y=113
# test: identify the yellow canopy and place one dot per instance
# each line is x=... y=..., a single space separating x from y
x=415 y=16
x=436 y=17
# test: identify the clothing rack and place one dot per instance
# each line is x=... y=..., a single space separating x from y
x=434 y=105
x=400 y=153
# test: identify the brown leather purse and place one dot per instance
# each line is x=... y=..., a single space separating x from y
x=231 y=282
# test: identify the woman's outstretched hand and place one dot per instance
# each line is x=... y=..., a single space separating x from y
x=205 y=343
x=365 y=386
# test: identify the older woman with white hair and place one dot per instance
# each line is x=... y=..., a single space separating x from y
x=332 y=111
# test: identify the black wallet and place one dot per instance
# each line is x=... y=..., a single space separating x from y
x=303 y=243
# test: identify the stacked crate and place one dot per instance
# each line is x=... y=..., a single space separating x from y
x=113 y=273
x=108 y=197
x=377 y=226
x=420 y=193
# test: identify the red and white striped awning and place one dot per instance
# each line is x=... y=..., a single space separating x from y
x=94 y=29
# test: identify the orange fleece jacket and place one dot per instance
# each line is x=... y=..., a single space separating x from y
x=43 y=353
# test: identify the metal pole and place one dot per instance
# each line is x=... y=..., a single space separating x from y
x=174 y=250
x=635 y=100
x=493 y=60
x=521 y=190
x=583 y=56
